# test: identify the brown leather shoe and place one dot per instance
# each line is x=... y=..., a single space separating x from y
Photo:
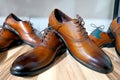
x=101 y=39
x=40 y=58
x=115 y=33
x=73 y=34
x=8 y=39
x=23 y=29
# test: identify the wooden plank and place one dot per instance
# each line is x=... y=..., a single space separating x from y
x=64 y=68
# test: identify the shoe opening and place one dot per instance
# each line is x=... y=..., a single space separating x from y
x=61 y=17
x=15 y=17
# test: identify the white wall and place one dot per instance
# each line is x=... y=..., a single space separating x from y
x=41 y=8
x=95 y=8
x=99 y=12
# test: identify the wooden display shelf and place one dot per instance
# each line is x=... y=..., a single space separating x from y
x=64 y=68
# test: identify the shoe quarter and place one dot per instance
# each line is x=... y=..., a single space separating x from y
x=70 y=31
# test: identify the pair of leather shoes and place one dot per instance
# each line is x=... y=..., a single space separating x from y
x=63 y=32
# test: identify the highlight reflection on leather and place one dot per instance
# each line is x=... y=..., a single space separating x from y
x=38 y=59
x=75 y=37
x=23 y=29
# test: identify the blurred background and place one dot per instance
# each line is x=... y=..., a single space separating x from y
x=42 y=8
x=93 y=10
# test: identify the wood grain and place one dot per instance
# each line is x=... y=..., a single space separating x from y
x=64 y=68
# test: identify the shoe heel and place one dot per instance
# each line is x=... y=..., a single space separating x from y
x=8 y=27
x=17 y=41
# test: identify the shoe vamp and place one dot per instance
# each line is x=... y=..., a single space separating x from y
x=85 y=50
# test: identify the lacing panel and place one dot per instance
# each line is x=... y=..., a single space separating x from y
x=44 y=34
x=47 y=34
x=80 y=28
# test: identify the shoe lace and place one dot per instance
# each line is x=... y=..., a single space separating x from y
x=44 y=34
x=80 y=25
x=101 y=27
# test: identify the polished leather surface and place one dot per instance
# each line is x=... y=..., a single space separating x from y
x=8 y=39
x=115 y=32
x=73 y=33
x=100 y=38
x=23 y=29
x=37 y=60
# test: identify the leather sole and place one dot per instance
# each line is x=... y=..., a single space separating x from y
x=80 y=61
x=61 y=50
